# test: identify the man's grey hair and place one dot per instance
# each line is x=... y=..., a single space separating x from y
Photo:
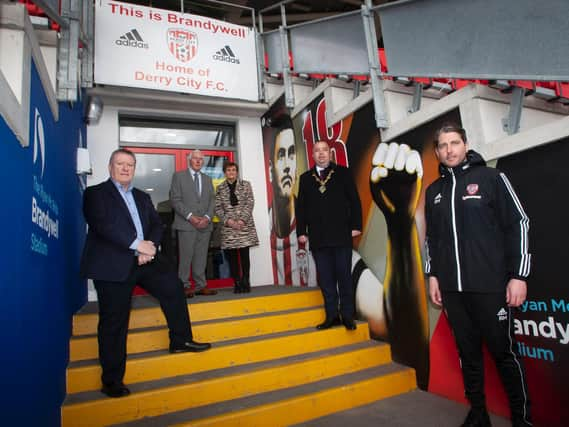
x=121 y=151
x=192 y=152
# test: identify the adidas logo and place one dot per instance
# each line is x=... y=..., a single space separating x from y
x=132 y=39
x=438 y=198
x=502 y=314
x=226 y=55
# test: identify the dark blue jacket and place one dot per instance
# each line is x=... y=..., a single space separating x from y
x=106 y=255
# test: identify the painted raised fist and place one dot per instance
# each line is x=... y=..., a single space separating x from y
x=395 y=179
x=369 y=297
x=395 y=184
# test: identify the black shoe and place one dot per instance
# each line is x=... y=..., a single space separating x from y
x=206 y=291
x=349 y=324
x=328 y=323
x=192 y=346
x=521 y=421
x=115 y=390
x=237 y=287
x=477 y=418
x=246 y=287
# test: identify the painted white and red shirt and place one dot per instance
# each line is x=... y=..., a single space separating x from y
x=290 y=259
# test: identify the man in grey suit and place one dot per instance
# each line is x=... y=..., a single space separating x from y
x=193 y=200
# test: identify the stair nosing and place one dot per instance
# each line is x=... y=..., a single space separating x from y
x=209 y=321
x=237 y=341
x=235 y=406
x=149 y=386
x=89 y=307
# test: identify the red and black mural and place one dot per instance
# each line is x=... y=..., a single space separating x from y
x=395 y=307
x=542 y=322
x=387 y=259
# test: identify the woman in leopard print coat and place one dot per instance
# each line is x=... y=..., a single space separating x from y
x=234 y=207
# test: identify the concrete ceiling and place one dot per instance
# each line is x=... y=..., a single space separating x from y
x=296 y=11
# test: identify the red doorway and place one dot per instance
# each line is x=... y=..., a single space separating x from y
x=155 y=167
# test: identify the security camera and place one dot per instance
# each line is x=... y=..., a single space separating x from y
x=94 y=110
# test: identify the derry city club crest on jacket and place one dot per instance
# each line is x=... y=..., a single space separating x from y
x=183 y=44
x=472 y=189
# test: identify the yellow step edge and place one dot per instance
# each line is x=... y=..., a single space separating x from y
x=169 y=365
x=86 y=324
x=140 y=342
x=315 y=405
x=176 y=398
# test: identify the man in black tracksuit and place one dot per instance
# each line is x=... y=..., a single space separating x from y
x=478 y=264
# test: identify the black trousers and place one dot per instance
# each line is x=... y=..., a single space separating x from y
x=334 y=268
x=239 y=263
x=114 y=312
x=474 y=317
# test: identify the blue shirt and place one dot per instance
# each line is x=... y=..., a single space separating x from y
x=131 y=205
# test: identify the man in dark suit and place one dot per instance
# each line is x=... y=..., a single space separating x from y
x=120 y=252
x=329 y=213
x=193 y=199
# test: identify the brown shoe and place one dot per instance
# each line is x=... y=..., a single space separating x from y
x=188 y=292
x=206 y=291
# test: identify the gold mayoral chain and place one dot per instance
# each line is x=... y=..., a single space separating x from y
x=323 y=183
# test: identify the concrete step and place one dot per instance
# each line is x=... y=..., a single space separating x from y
x=85 y=376
x=191 y=391
x=294 y=404
x=268 y=365
x=154 y=339
x=221 y=306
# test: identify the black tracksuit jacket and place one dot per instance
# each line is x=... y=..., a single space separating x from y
x=477 y=230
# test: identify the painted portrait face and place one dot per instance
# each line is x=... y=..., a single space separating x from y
x=284 y=163
x=451 y=149
x=121 y=168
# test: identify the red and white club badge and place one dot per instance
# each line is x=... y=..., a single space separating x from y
x=183 y=44
x=472 y=189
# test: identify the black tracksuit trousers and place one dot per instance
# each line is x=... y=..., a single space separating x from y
x=474 y=317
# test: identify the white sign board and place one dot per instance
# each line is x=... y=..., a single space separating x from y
x=152 y=48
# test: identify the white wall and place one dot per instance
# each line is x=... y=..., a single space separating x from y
x=491 y=114
x=252 y=167
x=398 y=104
x=481 y=111
x=50 y=56
x=103 y=138
x=12 y=57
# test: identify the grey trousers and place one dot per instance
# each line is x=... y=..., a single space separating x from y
x=193 y=247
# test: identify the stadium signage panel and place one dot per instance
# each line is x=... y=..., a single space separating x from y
x=150 y=48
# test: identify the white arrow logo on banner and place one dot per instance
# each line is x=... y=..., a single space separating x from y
x=39 y=140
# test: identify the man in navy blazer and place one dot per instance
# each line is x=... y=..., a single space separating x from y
x=121 y=252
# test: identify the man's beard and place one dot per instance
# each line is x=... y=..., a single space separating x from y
x=286 y=184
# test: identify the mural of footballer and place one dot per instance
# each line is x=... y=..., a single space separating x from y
x=292 y=263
